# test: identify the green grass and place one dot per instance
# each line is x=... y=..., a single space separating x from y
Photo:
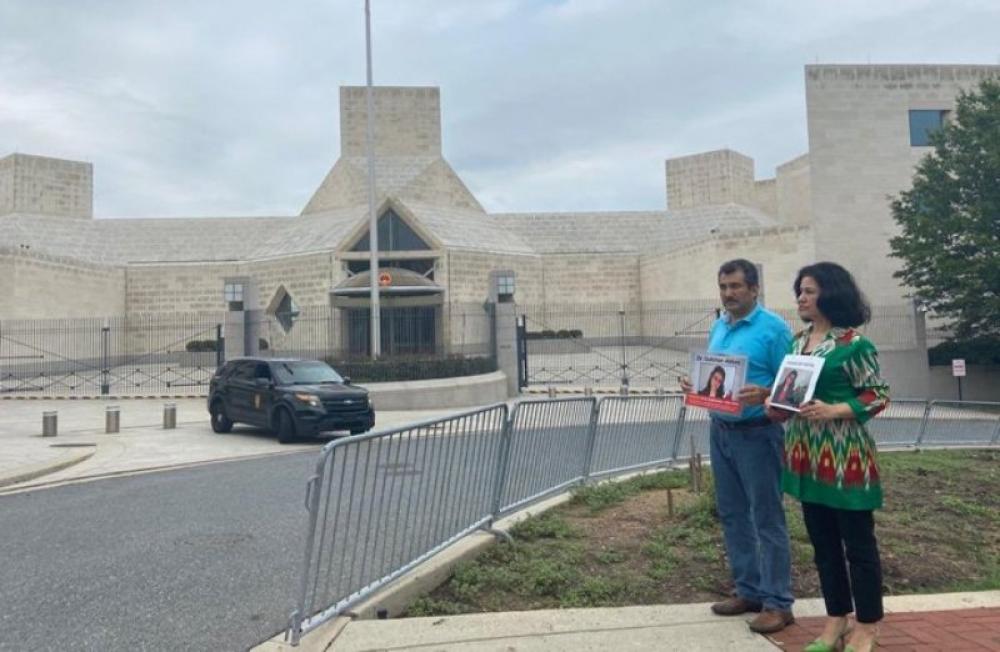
x=939 y=531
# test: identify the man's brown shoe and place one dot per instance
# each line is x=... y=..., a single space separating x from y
x=771 y=620
x=735 y=606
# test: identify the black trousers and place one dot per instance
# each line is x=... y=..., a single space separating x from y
x=833 y=533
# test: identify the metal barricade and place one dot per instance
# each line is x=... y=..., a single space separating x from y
x=900 y=424
x=961 y=423
x=546 y=450
x=694 y=431
x=381 y=503
x=634 y=432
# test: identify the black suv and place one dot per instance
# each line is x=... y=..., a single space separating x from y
x=293 y=398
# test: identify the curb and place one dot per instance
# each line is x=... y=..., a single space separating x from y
x=85 y=397
x=39 y=470
x=128 y=472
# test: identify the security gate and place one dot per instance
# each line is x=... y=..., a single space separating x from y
x=628 y=345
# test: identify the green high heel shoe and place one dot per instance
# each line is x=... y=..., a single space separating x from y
x=819 y=645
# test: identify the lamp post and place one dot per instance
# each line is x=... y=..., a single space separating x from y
x=376 y=322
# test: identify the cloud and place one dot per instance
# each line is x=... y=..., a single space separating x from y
x=229 y=107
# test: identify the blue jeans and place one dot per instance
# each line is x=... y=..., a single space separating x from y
x=746 y=467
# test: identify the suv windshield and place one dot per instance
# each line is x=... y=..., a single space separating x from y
x=304 y=373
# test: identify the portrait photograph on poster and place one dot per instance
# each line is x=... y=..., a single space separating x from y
x=796 y=381
x=716 y=380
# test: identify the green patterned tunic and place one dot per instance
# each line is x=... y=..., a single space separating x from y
x=833 y=462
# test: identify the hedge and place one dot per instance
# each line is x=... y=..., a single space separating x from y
x=571 y=334
x=368 y=371
x=983 y=350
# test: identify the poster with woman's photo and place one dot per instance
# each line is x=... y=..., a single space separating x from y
x=795 y=382
x=716 y=380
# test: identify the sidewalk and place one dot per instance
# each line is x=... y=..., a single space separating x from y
x=950 y=622
x=82 y=449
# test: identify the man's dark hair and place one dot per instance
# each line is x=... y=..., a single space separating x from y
x=840 y=299
x=741 y=265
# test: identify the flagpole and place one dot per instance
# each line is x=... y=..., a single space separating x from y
x=373 y=271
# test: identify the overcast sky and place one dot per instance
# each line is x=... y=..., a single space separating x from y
x=230 y=107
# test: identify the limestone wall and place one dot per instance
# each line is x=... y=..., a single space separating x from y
x=33 y=286
x=591 y=278
x=690 y=273
x=717 y=177
x=860 y=154
x=407 y=121
x=466 y=274
x=38 y=184
x=792 y=191
x=765 y=196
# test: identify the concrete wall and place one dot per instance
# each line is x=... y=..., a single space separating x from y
x=690 y=273
x=717 y=177
x=981 y=384
x=860 y=154
x=407 y=121
x=34 y=286
x=38 y=184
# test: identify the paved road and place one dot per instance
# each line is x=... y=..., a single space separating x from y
x=197 y=559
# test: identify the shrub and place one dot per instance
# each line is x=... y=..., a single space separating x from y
x=983 y=350
x=394 y=369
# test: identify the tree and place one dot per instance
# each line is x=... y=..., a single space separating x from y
x=950 y=219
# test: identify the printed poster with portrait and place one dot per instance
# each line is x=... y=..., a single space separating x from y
x=716 y=380
x=796 y=381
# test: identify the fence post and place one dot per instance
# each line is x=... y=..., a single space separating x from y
x=220 y=351
x=923 y=423
x=621 y=320
x=522 y=352
x=680 y=431
x=105 y=362
x=588 y=458
x=996 y=433
x=503 y=463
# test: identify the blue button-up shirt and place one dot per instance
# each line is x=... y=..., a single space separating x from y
x=764 y=338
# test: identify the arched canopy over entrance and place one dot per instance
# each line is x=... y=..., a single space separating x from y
x=410 y=312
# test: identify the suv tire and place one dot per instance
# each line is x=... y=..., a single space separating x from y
x=220 y=422
x=284 y=426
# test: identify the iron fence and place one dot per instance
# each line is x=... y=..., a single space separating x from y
x=98 y=356
x=647 y=344
x=379 y=504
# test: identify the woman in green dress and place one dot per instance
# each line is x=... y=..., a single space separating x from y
x=830 y=463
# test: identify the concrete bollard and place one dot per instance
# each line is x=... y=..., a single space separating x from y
x=169 y=416
x=588 y=391
x=112 y=419
x=50 y=424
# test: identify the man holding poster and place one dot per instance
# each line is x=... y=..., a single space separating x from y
x=746 y=453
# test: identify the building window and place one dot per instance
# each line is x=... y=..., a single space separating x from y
x=393 y=235
x=284 y=309
x=923 y=122
x=233 y=295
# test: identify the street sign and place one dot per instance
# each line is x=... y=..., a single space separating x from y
x=958 y=368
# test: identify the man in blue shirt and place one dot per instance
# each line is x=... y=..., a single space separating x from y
x=746 y=456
